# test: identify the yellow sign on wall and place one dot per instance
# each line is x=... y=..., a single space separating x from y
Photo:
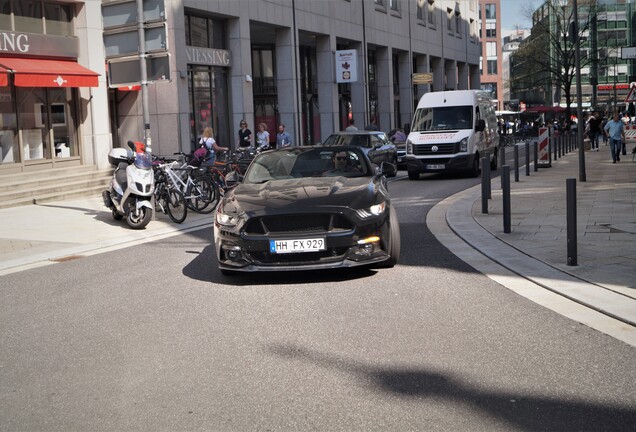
x=422 y=78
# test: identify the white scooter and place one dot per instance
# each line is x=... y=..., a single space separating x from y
x=132 y=186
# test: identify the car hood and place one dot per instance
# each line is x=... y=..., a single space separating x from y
x=300 y=195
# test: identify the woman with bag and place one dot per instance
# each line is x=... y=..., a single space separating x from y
x=207 y=141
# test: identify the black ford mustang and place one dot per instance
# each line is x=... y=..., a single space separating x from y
x=304 y=208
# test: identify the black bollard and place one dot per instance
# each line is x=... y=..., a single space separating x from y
x=484 y=185
x=516 y=162
x=527 y=158
x=570 y=186
x=505 y=180
x=536 y=155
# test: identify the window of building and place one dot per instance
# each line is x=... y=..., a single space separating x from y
x=431 y=14
x=492 y=67
x=491 y=49
x=205 y=32
x=36 y=16
x=491 y=29
x=491 y=11
x=207 y=87
x=393 y=4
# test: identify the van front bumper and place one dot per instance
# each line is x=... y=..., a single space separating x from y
x=424 y=165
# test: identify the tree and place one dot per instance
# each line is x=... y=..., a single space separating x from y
x=547 y=59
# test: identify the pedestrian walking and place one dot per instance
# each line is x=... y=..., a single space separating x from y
x=262 y=137
x=615 y=129
x=593 y=130
x=244 y=136
x=283 y=139
x=352 y=127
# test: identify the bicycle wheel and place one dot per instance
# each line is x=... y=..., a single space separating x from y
x=177 y=208
x=201 y=195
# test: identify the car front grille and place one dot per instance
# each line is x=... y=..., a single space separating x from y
x=331 y=254
x=442 y=149
x=307 y=223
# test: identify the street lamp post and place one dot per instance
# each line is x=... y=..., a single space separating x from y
x=579 y=98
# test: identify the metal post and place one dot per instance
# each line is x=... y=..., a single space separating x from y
x=505 y=180
x=560 y=145
x=144 y=74
x=570 y=186
x=527 y=158
x=516 y=163
x=579 y=96
x=536 y=155
x=502 y=162
x=484 y=185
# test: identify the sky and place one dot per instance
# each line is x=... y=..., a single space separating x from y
x=512 y=13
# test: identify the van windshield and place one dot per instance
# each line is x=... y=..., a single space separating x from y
x=442 y=118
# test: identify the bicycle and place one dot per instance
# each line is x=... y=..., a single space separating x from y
x=198 y=192
x=169 y=199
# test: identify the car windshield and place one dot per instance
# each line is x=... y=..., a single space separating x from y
x=297 y=163
x=442 y=118
x=358 y=140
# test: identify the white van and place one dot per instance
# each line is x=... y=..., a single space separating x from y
x=451 y=131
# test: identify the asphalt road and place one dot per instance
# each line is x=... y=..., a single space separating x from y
x=153 y=337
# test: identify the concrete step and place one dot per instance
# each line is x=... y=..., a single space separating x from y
x=52 y=185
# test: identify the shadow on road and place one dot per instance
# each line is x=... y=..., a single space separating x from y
x=522 y=412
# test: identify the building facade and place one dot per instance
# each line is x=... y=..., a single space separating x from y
x=52 y=86
x=490 y=62
x=262 y=61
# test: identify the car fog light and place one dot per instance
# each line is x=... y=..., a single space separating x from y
x=233 y=253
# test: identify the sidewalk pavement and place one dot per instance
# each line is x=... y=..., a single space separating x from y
x=534 y=253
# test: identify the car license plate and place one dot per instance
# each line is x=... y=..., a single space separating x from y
x=297 y=245
x=436 y=167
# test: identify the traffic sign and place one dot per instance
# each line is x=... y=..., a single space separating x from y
x=127 y=71
x=631 y=96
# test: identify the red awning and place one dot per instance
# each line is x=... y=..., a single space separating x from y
x=4 y=79
x=49 y=73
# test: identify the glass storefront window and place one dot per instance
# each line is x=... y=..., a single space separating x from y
x=46 y=116
x=33 y=120
x=207 y=88
x=205 y=32
x=10 y=152
x=62 y=122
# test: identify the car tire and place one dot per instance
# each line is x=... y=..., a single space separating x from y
x=394 y=243
x=414 y=175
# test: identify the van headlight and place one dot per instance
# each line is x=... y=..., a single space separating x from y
x=463 y=145
x=409 y=147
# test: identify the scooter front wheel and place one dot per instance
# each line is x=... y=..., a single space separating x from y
x=138 y=219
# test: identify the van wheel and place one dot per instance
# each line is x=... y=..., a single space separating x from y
x=414 y=175
x=493 y=162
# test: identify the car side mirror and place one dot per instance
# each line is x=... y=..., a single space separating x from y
x=481 y=125
x=387 y=168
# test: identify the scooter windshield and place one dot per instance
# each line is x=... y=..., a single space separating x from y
x=142 y=161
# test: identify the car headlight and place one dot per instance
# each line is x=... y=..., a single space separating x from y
x=225 y=219
x=374 y=210
x=463 y=145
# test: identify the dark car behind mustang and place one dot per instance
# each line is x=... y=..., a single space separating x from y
x=296 y=210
